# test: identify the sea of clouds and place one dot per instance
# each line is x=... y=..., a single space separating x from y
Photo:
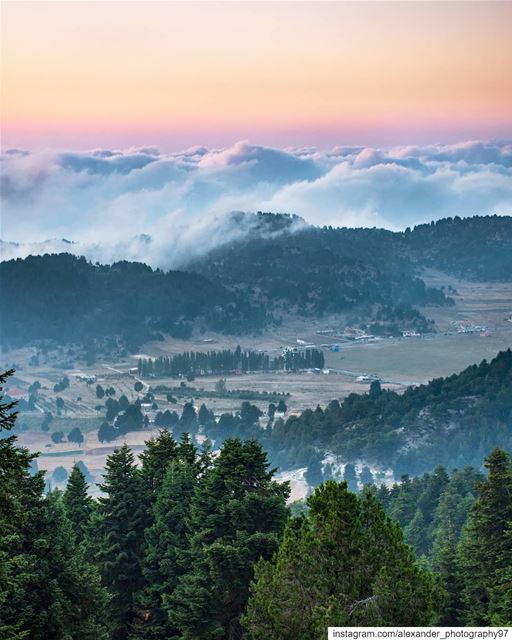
x=168 y=208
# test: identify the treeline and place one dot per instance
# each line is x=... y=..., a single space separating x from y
x=229 y=361
x=186 y=391
x=451 y=421
x=68 y=299
x=193 y=546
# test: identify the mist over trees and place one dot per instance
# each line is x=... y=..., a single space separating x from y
x=244 y=286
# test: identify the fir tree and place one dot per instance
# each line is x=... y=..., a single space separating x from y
x=416 y=533
x=156 y=458
x=485 y=546
x=445 y=563
x=237 y=515
x=117 y=535
x=166 y=542
x=77 y=503
x=48 y=589
x=63 y=596
x=343 y=564
x=187 y=451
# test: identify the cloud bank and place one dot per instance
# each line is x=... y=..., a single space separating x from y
x=166 y=208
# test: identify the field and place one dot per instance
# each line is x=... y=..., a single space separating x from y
x=399 y=362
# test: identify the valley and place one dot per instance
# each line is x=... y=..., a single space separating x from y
x=398 y=362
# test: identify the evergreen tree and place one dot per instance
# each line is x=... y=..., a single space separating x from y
x=166 y=542
x=75 y=435
x=47 y=588
x=502 y=592
x=63 y=594
x=203 y=415
x=366 y=476
x=416 y=533
x=117 y=535
x=187 y=451
x=350 y=477
x=343 y=564
x=485 y=545
x=237 y=515
x=77 y=503
x=156 y=458
x=60 y=474
x=313 y=475
x=445 y=563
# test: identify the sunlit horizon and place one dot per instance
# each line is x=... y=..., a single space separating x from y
x=121 y=74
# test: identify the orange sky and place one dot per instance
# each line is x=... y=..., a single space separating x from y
x=84 y=74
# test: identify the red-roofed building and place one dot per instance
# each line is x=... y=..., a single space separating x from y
x=16 y=394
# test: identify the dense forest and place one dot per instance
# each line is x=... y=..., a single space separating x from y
x=380 y=264
x=187 y=545
x=373 y=275
x=68 y=299
x=319 y=270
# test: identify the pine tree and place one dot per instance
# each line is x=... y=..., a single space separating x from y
x=187 y=451
x=117 y=535
x=350 y=477
x=343 y=564
x=445 y=563
x=485 y=544
x=237 y=515
x=77 y=503
x=501 y=610
x=48 y=589
x=166 y=543
x=156 y=458
x=63 y=595
x=416 y=533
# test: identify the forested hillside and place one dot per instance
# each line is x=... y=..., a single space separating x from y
x=316 y=266
x=476 y=248
x=191 y=545
x=283 y=268
x=451 y=421
x=320 y=271
x=68 y=299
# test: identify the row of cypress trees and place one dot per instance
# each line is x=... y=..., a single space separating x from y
x=227 y=360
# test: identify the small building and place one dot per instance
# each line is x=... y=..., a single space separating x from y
x=16 y=394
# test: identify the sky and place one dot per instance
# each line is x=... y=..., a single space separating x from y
x=135 y=129
x=94 y=74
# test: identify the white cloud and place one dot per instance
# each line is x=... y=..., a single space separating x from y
x=109 y=201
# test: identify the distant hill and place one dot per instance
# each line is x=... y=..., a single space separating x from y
x=68 y=299
x=284 y=268
x=451 y=421
x=323 y=269
x=320 y=270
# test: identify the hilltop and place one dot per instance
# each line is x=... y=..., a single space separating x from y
x=284 y=268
